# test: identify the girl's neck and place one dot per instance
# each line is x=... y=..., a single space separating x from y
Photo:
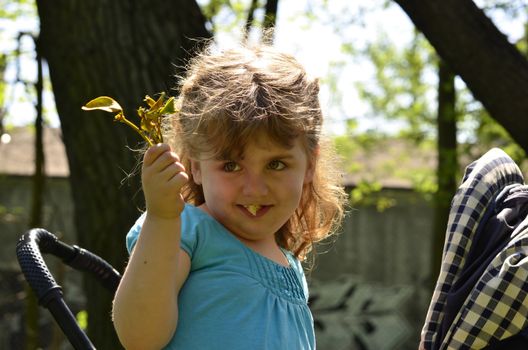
x=265 y=247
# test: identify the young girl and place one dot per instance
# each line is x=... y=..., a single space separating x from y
x=233 y=205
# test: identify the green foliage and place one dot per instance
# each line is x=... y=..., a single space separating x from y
x=213 y=7
x=372 y=158
x=13 y=9
x=493 y=134
x=225 y=15
x=405 y=89
x=368 y=193
x=10 y=215
x=82 y=319
x=483 y=133
x=150 y=118
x=402 y=90
x=354 y=143
x=512 y=8
x=17 y=20
x=3 y=66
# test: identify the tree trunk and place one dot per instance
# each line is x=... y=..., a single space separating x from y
x=3 y=66
x=492 y=68
x=123 y=49
x=270 y=14
x=250 y=18
x=270 y=19
x=447 y=168
x=37 y=199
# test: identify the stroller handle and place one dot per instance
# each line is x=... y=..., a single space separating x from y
x=49 y=293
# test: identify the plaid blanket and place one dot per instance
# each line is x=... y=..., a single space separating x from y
x=495 y=305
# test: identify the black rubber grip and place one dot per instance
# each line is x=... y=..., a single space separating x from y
x=33 y=266
x=89 y=262
x=37 y=241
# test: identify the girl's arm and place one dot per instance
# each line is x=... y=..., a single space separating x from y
x=145 y=305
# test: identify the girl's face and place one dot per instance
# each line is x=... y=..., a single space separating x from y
x=255 y=195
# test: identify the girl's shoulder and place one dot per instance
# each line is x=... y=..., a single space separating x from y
x=205 y=240
x=194 y=223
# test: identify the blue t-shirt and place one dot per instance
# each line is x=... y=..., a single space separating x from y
x=235 y=298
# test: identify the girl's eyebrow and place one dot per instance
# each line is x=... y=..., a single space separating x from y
x=282 y=153
x=283 y=156
x=242 y=157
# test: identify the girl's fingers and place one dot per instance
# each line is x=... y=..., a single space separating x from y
x=179 y=179
x=158 y=162
x=153 y=153
x=172 y=170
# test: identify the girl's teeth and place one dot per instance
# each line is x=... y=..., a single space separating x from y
x=253 y=208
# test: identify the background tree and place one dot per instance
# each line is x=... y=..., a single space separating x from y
x=493 y=68
x=495 y=72
x=402 y=90
x=447 y=168
x=124 y=49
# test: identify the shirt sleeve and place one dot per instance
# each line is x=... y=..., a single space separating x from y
x=189 y=231
x=133 y=233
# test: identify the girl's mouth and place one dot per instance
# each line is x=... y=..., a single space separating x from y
x=255 y=209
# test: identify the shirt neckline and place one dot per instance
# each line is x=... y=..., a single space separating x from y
x=287 y=254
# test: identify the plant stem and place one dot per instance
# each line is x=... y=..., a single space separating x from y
x=133 y=126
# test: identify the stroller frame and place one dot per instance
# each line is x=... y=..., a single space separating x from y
x=29 y=251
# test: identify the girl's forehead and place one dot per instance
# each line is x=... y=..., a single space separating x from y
x=264 y=140
x=238 y=149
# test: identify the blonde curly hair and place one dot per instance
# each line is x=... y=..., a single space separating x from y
x=227 y=97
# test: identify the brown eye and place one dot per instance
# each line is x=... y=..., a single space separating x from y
x=231 y=167
x=276 y=165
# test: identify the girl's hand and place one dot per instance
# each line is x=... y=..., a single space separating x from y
x=163 y=177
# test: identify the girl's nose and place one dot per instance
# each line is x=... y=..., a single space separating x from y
x=255 y=185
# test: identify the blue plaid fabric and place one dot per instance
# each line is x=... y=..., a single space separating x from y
x=497 y=305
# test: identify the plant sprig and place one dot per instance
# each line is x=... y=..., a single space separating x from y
x=150 y=118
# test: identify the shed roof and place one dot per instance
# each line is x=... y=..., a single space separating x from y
x=393 y=163
x=17 y=157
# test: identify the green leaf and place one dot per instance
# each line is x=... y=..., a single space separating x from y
x=168 y=108
x=103 y=103
x=158 y=103
x=150 y=101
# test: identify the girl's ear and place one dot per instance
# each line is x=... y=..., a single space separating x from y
x=309 y=174
x=196 y=172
